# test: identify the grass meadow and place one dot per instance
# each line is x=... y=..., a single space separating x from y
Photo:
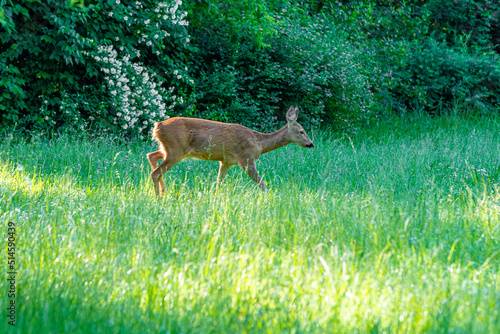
x=393 y=229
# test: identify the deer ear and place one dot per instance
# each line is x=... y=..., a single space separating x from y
x=292 y=114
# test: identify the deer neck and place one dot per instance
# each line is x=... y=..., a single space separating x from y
x=272 y=141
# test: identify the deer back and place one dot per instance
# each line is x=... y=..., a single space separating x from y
x=204 y=139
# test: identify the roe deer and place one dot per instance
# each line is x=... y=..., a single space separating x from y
x=230 y=144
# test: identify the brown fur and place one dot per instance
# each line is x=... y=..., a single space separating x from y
x=230 y=144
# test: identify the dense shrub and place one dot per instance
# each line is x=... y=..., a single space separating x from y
x=312 y=66
x=111 y=64
x=436 y=77
x=473 y=22
x=431 y=54
x=120 y=65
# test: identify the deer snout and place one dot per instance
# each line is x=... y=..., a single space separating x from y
x=311 y=145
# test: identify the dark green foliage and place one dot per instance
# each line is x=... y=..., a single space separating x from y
x=432 y=55
x=439 y=78
x=250 y=18
x=52 y=69
x=476 y=23
x=38 y=59
x=310 y=66
x=118 y=65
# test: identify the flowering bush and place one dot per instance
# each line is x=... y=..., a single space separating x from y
x=135 y=98
x=137 y=95
x=118 y=64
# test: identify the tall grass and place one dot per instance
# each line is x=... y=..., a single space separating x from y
x=394 y=229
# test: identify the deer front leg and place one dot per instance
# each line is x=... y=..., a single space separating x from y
x=223 y=169
x=251 y=169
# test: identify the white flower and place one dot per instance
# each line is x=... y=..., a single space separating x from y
x=179 y=77
x=111 y=14
x=156 y=36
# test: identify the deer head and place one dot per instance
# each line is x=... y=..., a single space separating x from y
x=296 y=132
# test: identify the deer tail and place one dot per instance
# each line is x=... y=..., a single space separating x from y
x=155 y=131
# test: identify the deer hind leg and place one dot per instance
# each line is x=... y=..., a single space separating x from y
x=250 y=168
x=153 y=158
x=157 y=174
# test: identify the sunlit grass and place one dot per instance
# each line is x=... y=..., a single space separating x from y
x=393 y=229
